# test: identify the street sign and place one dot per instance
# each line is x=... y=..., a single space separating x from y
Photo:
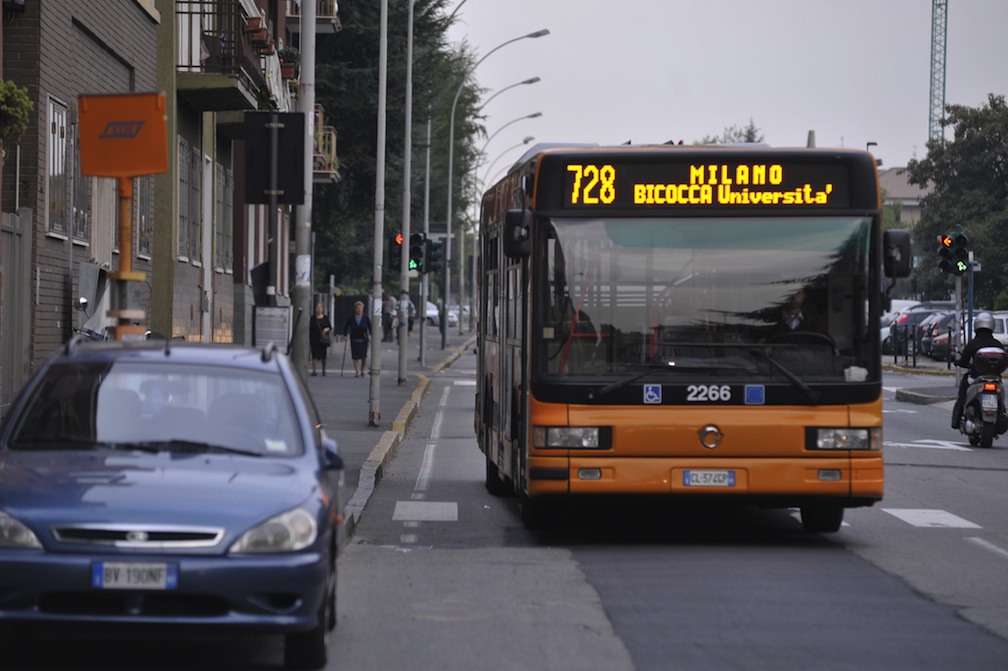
x=123 y=135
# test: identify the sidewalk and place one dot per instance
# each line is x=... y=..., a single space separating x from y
x=942 y=384
x=344 y=403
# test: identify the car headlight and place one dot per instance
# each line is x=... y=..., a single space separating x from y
x=14 y=534
x=289 y=532
x=844 y=439
x=573 y=437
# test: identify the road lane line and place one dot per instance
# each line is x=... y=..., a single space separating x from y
x=940 y=519
x=987 y=545
x=426 y=469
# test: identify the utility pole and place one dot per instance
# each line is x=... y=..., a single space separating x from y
x=374 y=413
x=407 y=161
x=303 y=280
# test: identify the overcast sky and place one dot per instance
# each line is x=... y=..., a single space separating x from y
x=647 y=71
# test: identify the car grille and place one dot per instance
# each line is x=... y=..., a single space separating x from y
x=151 y=537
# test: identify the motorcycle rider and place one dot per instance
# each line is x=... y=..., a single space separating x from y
x=983 y=327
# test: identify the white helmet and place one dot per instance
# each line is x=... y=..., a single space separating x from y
x=984 y=320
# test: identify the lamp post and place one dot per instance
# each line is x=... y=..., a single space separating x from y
x=534 y=115
x=528 y=138
x=451 y=151
x=526 y=82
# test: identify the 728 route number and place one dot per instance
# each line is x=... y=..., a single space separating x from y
x=708 y=392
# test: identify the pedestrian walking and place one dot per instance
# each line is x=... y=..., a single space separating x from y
x=389 y=308
x=319 y=338
x=358 y=329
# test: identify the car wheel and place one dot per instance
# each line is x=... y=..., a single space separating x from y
x=310 y=649
x=822 y=518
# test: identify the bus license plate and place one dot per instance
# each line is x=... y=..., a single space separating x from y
x=988 y=402
x=709 y=478
x=130 y=575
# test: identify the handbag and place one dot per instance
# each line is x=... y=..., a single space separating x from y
x=326 y=339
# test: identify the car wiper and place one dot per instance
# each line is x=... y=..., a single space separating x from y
x=179 y=445
x=812 y=394
x=57 y=443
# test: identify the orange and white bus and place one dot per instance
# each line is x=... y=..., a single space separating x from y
x=684 y=322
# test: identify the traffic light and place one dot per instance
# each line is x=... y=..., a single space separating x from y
x=945 y=263
x=395 y=250
x=434 y=256
x=417 y=249
x=960 y=253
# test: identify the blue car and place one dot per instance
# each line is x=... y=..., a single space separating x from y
x=163 y=483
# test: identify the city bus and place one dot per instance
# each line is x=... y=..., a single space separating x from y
x=684 y=321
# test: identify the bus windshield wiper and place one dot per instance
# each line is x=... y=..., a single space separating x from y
x=812 y=394
x=622 y=382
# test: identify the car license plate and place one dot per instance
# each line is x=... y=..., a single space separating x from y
x=708 y=478
x=134 y=575
x=988 y=402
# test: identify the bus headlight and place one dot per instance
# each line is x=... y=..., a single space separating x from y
x=844 y=439
x=572 y=437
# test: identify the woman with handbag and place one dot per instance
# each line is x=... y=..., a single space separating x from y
x=319 y=338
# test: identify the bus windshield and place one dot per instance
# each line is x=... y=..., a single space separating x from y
x=745 y=296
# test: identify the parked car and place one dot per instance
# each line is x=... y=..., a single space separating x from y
x=904 y=331
x=158 y=483
x=432 y=314
x=940 y=343
x=930 y=327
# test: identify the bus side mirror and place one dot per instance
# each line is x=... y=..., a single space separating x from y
x=896 y=258
x=518 y=234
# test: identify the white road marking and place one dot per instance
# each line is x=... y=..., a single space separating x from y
x=899 y=411
x=931 y=445
x=425 y=511
x=934 y=519
x=426 y=469
x=465 y=383
x=987 y=545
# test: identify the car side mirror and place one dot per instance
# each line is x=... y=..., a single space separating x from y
x=331 y=457
x=897 y=257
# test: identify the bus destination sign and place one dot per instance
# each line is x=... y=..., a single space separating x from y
x=610 y=184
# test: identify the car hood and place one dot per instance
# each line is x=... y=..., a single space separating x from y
x=232 y=492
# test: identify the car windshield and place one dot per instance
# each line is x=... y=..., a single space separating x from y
x=698 y=294
x=163 y=407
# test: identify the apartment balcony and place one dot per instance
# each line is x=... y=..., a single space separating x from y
x=326 y=16
x=221 y=51
x=325 y=164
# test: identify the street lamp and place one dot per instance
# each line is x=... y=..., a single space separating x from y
x=451 y=152
x=534 y=115
x=533 y=80
x=528 y=138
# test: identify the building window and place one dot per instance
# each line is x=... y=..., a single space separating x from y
x=144 y=196
x=56 y=184
x=195 y=205
x=223 y=217
x=81 y=200
x=183 y=208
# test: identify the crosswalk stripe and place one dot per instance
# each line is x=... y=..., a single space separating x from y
x=920 y=517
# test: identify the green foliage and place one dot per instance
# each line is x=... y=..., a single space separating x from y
x=15 y=110
x=969 y=180
x=347 y=87
x=734 y=135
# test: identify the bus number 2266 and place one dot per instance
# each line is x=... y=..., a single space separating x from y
x=708 y=392
x=592 y=184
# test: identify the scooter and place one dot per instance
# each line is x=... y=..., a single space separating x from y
x=984 y=417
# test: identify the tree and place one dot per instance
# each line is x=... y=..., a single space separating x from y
x=734 y=135
x=969 y=179
x=347 y=87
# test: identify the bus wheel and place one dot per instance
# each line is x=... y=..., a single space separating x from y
x=537 y=513
x=494 y=484
x=822 y=518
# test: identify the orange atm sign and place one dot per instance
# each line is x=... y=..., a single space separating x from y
x=123 y=135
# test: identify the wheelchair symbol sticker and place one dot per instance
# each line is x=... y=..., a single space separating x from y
x=652 y=393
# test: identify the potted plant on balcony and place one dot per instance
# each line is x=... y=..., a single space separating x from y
x=289 y=59
x=15 y=110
